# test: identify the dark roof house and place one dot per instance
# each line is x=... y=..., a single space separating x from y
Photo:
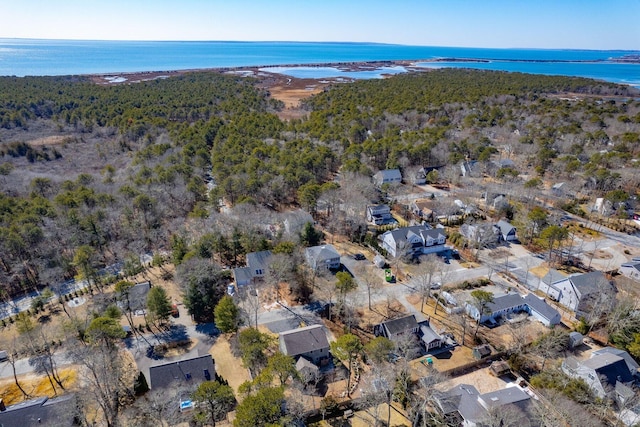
x=601 y=372
x=507 y=231
x=309 y=342
x=60 y=411
x=186 y=371
x=395 y=328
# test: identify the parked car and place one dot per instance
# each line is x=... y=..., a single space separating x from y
x=436 y=285
x=359 y=257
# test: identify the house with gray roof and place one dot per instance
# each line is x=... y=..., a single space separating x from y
x=505 y=305
x=323 y=257
x=548 y=281
x=379 y=214
x=413 y=241
x=464 y=405
x=602 y=372
x=309 y=342
x=579 y=292
x=194 y=370
x=507 y=231
x=135 y=299
x=257 y=266
x=394 y=329
x=60 y=411
x=387 y=176
x=631 y=363
x=631 y=270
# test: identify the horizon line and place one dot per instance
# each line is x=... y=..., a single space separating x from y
x=309 y=42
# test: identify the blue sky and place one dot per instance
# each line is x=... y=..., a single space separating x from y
x=584 y=24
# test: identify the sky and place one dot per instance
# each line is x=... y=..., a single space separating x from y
x=556 y=24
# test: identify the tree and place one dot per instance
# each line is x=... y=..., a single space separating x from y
x=203 y=284
x=217 y=398
x=347 y=347
x=83 y=259
x=481 y=300
x=424 y=277
x=553 y=234
x=158 y=304
x=282 y=366
x=260 y=409
x=538 y=218
x=344 y=285
x=227 y=315
x=310 y=236
x=551 y=344
x=378 y=349
x=105 y=330
x=252 y=344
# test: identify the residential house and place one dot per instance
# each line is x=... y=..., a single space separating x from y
x=422 y=209
x=631 y=363
x=602 y=372
x=413 y=241
x=429 y=338
x=257 y=267
x=576 y=339
x=324 y=257
x=407 y=328
x=507 y=231
x=480 y=234
x=395 y=329
x=135 y=298
x=579 y=292
x=387 y=176
x=470 y=168
x=192 y=370
x=630 y=269
x=549 y=281
x=379 y=214
x=464 y=405
x=59 y=411
x=309 y=373
x=505 y=305
x=309 y=342
x=420 y=177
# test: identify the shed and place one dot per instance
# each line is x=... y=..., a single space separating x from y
x=499 y=368
x=575 y=339
x=481 y=351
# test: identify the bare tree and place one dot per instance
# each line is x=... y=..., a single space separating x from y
x=366 y=277
x=423 y=277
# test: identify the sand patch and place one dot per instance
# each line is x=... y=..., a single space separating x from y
x=49 y=140
x=227 y=365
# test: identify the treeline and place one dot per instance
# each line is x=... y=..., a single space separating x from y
x=172 y=150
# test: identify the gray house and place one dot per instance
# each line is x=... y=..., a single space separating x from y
x=464 y=405
x=187 y=371
x=324 y=257
x=309 y=342
x=60 y=412
x=413 y=241
x=387 y=176
x=507 y=231
x=379 y=214
x=257 y=266
x=506 y=305
x=603 y=372
x=396 y=328
x=579 y=292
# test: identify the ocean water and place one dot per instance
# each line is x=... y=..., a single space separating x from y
x=22 y=57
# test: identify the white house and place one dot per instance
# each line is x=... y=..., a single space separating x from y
x=413 y=241
x=387 y=176
x=515 y=303
x=379 y=214
x=507 y=231
x=602 y=372
x=578 y=291
x=630 y=269
x=324 y=257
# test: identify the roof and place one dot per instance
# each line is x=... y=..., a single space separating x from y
x=588 y=283
x=197 y=369
x=634 y=265
x=389 y=174
x=428 y=334
x=59 y=411
x=483 y=350
x=631 y=363
x=505 y=227
x=304 y=340
x=505 y=396
x=323 y=252
x=463 y=398
x=541 y=307
x=612 y=367
x=401 y=234
x=137 y=297
x=400 y=325
x=553 y=276
x=505 y=302
x=242 y=275
x=258 y=260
